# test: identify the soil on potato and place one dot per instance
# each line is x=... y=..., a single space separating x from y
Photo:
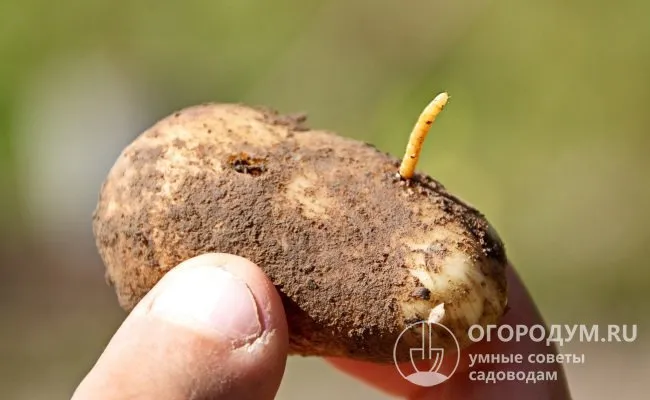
x=326 y=241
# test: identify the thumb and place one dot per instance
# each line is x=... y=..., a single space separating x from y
x=212 y=328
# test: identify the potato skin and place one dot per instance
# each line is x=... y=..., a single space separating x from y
x=337 y=232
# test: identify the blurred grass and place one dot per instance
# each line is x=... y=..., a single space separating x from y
x=546 y=131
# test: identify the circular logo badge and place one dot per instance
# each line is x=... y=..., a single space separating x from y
x=426 y=353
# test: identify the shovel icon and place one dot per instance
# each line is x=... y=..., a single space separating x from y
x=427 y=352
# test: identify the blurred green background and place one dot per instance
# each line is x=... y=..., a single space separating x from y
x=547 y=132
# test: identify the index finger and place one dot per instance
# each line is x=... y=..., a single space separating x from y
x=522 y=312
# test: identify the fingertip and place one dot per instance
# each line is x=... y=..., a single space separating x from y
x=213 y=327
x=268 y=304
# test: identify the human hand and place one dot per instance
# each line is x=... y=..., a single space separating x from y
x=522 y=311
x=214 y=328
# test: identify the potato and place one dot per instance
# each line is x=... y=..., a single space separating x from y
x=356 y=253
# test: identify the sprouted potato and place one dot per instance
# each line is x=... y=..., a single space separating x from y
x=358 y=245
